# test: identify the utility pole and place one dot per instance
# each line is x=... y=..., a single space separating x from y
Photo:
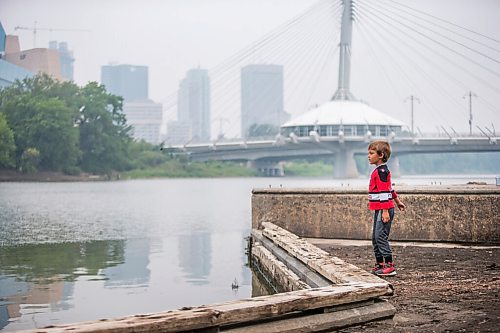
x=470 y=94
x=412 y=99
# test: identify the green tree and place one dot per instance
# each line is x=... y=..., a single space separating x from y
x=29 y=161
x=53 y=133
x=7 y=146
x=70 y=126
x=47 y=125
x=104 y=133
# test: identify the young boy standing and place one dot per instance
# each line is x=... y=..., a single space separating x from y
x=382 y=198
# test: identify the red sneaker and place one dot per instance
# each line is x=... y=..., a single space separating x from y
x=387 y=270
x=377 y=267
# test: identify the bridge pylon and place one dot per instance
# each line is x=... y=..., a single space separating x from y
x=344 y=165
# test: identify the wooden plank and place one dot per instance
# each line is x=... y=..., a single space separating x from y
x=332 y=268
x=307 y=275
x=246 y=310
x=277 y=271
x=324 y=321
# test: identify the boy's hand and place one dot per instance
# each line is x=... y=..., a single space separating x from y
x=385 y=216
x=401 y=206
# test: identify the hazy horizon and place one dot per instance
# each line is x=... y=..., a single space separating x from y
x=171 y=37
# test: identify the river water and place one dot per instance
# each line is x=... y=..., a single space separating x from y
x=73 y=252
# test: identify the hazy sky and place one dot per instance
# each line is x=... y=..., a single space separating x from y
x=172 y=36
x=168 y=36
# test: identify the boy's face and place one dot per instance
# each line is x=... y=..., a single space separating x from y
x=374 y=158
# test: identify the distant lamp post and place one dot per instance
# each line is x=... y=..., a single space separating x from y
x=412 y=99
x=470 y=95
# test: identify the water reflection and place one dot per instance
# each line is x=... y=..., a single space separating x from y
x=195 y=252
x=135 y=273
x=245 y=273
x=37 y=277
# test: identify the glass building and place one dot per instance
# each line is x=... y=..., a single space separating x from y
x=262 y=97
x=128 y=81
x=193 y=104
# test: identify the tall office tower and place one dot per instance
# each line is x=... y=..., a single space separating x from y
x=145 y=117
x=262 y=97
x=128 y=81
x=65 y=58
x=193 y=104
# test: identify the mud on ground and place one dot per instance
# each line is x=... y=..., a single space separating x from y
x=436 y=289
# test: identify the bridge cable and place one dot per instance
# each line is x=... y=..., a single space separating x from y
x=400 y=69
x=437 y=42
x=448 y=22
x=287 y=44
x=441 y=55
x=421 y=71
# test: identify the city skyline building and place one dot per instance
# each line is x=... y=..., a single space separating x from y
x=35 y=60
x=66 y=58
x=178 y=132
x=145 y=117
x=128 y=81
x=3 y=37
x=262 y=97
x=193 y=109
x=131 y=83
x=9 y=72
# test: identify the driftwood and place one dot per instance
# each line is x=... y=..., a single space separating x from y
x=282 y=276
x=235 y=312
x=323 y=321
x=332 y=268
x=310 y=277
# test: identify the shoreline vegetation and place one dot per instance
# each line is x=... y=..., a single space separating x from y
x=58 y=131
x=179 y=168
x=170 y=169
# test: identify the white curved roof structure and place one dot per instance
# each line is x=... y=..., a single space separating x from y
x=343 y=112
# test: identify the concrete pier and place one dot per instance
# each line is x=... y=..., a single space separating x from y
x=467 y=214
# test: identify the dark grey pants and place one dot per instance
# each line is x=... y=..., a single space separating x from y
x=380 y=235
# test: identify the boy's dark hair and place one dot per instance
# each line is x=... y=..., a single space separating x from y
x=382 y=148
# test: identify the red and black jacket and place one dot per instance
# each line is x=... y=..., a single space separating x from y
x=380 y=190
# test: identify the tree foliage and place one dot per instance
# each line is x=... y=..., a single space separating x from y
x=104 y=133
x=30 y=158
x=71 y=127
x=7 y=146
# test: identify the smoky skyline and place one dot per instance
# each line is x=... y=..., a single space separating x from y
x=173 y=36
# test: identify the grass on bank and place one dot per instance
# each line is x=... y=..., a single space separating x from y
x=308 y=169
x=178 y=169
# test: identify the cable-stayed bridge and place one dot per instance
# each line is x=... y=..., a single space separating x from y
x=432 y=85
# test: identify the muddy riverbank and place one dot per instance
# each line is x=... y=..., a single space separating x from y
x=437 y=289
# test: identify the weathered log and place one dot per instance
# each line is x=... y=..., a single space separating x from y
x=332 y=268
x=278 y=272
x=235 y=312
x=309 y=276
x=323 y=321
